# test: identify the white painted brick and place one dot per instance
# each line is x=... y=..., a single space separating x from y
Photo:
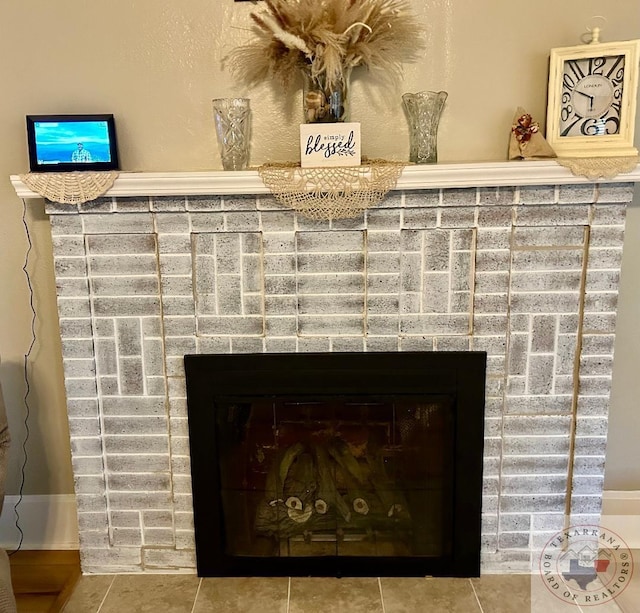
x=539 y=405
x=65 y=225
x=239 y=203
x=590 y=445
x=93 y=539
x=593 y=406
x=539 y=484
x=169 y=559
x=547 y=503
x=134 y=444
x=246 y=345
x=420 y=218
x=74 y=308
x=417 y=343
x=129 y=223
x=173 y=223
x=213 y=344
x=157 y=519
x=207 y=222
x=496 y=195
x=133 y=501
x=149 y=482
x=558 y=215
x=120 y=559
x=281 y=326
x=80 y=388
x=89 y=484
x=90 y=503
x=70 y=267
x=174 y=243
x=204 y=203
x=125 y=519
x=126 y=537
x=460 y=196
x=135 y=457
x=168 y=203
x=452 y=343
x=620 y=192
x=589 y=465
x=280 y=345
x=175 y=264
x=381 y=219
x=536 y=445
x=86 y=446
x=79 y=426
x=92 y=521
x=463 y=217
x=83 y=465
x=279 y=264
x=348 y=344
x=158 y=537
x=123 y=205
x=318 y=344
x=98 y=205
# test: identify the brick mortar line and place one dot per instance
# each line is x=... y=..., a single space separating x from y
x=576 y=372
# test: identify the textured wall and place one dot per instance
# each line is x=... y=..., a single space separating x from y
x=156 y=65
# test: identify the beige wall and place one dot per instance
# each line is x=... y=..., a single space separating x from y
x=156 y=65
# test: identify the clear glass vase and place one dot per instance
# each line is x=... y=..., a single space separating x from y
x=232 y=117
x=423 y=111
x=325 y=102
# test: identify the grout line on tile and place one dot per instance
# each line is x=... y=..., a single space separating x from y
x=476 y=595
x=195 y=600
x=106 y=594
x=288 y=594
x=381 y=596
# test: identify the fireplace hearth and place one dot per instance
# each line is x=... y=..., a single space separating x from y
x=337 y=464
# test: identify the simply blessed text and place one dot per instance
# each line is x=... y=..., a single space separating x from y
x=331 y=145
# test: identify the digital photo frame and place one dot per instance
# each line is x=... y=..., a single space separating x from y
x=62 y=143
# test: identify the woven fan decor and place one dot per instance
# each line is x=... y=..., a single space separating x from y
x=70 y=187
x=599 y=168
x=331 y=193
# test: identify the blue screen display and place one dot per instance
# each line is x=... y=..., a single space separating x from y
x=64 y=142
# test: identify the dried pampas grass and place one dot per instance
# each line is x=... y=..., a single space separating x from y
x=329 y=37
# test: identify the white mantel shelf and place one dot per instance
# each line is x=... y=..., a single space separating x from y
x=418 y=177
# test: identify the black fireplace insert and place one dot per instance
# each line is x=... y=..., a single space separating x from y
x=337 y=464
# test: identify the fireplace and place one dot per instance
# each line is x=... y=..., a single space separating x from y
x=337 y=464
x=518 y=260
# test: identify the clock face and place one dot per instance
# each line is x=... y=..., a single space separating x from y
x=592 y=96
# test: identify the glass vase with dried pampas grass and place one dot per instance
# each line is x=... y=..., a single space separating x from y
x=325 y=40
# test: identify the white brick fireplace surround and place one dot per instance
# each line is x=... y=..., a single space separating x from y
x=521 y=260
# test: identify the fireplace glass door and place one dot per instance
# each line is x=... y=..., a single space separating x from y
x=337 y=464
x=336 y=476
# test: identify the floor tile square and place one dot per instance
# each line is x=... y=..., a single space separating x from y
x=89 y=593
x=330 y=595
x=428 y=595
x=151 y=594
x=242 y=595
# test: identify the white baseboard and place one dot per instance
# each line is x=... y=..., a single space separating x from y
x=621 y=514
x=48 y=522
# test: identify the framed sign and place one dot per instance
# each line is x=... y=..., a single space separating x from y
x=329 y=144
x=592 y=99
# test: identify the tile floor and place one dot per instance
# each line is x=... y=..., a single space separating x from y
x=189 y=594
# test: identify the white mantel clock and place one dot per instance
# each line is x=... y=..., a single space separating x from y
x=592 y=99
